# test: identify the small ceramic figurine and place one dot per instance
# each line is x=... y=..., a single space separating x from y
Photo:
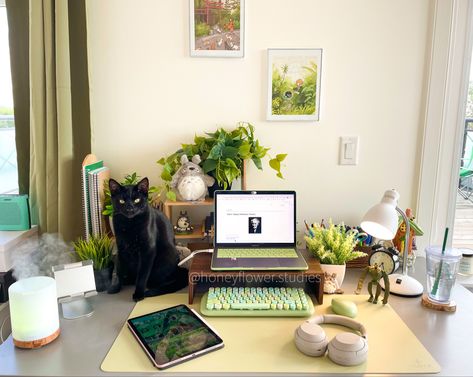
x=331 y=284
x=376 y=274
x=183 y=224
x=190 y=181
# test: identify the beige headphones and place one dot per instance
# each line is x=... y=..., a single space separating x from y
x=345 y=349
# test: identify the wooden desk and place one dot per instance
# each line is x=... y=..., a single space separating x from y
x=312 y=278
x=84 y=343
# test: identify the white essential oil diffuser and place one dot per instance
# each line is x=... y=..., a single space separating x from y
x=34 y=312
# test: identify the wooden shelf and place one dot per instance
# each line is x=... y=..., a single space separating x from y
x=198 y=229
x=168 y=204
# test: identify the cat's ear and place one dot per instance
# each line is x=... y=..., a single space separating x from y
x=114 y=186
x=143 y=185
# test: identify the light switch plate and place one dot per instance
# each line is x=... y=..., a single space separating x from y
x=349 y=147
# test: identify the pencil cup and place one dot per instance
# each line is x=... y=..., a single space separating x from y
x=442 y=269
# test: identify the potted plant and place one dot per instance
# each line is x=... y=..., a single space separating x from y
x=222 y=154
x=333 y=247
x=98 y=249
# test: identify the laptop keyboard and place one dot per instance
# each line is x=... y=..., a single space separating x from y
x=256 y=302
x=256 y=253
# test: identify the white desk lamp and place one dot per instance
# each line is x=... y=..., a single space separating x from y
x=381 y=221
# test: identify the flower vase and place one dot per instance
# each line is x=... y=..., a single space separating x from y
x=338 y=269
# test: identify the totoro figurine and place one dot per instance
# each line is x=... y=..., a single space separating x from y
x=190 y=181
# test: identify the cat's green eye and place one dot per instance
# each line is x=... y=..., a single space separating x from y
x=137 y=200
x=122 y=201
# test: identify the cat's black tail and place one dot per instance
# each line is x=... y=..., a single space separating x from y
x=180 y=281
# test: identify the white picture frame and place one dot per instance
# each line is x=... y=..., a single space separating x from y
x=294 y=78
x=217 y=28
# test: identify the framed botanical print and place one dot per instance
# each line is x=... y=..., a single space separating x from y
x=217 y=28
x=294 y=84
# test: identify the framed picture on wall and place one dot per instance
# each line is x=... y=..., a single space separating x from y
x=294 y=84
x=217 y=28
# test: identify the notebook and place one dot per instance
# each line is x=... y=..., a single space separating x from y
x=256 y=230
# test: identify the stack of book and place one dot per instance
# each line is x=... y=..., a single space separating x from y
x=93 y=179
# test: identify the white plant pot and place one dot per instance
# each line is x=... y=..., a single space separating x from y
x=338 y=269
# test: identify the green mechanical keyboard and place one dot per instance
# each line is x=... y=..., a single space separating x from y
x=256 y=253
x=256 y=302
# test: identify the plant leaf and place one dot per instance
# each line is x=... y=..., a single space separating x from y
x=216 y=152
x=281 y=157
x=244 y=150
x=275 y=164
x=229 y=152
x=209 y=165
x=257 y=162
x=166 y=176
x=171 y=195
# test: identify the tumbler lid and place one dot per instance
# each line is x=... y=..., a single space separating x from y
x=450 y=253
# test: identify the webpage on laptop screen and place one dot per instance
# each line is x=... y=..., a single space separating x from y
x=255 y=218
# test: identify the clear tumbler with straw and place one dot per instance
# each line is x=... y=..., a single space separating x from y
x=442 y=268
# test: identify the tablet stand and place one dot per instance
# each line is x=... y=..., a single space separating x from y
x=75 y=282
x=77 y=307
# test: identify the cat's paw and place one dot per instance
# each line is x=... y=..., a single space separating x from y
x=138 y=296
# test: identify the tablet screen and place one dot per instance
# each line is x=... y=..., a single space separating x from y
x=172 y=334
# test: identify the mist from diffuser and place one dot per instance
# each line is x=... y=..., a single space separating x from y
x=381 y=221
x=34 y=311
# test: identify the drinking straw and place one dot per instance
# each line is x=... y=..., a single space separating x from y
x=437 y=279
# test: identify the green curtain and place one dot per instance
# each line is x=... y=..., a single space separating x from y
x=59 y=122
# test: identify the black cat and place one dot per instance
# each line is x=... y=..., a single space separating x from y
x=147 y=256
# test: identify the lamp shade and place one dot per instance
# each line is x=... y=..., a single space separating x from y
x=34 y=311
x=381 y=220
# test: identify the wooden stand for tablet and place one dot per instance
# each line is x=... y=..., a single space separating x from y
x=200 y=273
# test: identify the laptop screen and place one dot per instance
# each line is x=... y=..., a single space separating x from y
x=255 y=217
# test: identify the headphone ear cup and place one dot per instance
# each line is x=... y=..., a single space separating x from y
x=348 y=349
x=310 y=339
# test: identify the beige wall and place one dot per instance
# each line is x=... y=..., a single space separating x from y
x=148 y=95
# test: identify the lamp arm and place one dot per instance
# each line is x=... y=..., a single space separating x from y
x=406 y=240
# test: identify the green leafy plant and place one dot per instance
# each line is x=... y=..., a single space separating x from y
x=332 y=245
x=97 y=248
x=129 y=179
x=222 y=153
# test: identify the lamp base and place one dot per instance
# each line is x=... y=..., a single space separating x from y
x=404 y=285
x=36 y=343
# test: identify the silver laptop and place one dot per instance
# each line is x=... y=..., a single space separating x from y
x=256 y=230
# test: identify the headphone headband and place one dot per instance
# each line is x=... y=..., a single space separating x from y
x=339 y=320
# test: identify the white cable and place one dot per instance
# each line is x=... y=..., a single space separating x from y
x=1 y=329
x=194 y=253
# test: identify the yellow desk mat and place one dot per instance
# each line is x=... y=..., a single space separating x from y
x=266 y=344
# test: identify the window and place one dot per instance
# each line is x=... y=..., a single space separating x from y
x=8 y=164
